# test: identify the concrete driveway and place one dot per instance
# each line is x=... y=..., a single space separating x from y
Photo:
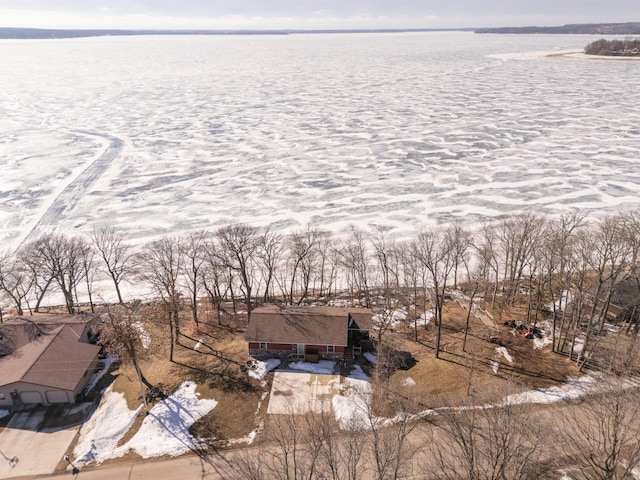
x=38 y=452
x=301 y=392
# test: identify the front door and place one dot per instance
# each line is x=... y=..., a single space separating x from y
x=15 y=398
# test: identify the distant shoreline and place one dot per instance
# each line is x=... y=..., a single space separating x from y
x=7 y=33
x=628 y=28
x=23 y=33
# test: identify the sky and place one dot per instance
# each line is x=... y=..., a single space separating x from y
x=310 y=14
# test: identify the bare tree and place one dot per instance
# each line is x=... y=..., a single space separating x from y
x=387 y=262
x=519 y=235
x=302 y=250
x=559 y=243
x=121 y=333
x=58 y=259
x=238 y=244
x=435 y=251
x=355 y=261
x=486 y=442
x=328 y=262
x=88 y=270
x=270 y=254
x=15 y=281
x=488 y=250
x=160 y=266
x=606 y=250
x=193 y=253
x=413 y=275
x=216 y=277
x=41 y=278
x=603 y=431
x=115 y=253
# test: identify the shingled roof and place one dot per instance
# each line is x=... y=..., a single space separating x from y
x=55 y=359
x=308 y=325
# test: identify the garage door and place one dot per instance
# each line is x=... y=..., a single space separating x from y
x=31 y=397
x=57 y=396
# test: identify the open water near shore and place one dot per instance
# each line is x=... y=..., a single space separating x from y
x=160 y=135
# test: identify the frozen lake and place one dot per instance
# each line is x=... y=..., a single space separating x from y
x=160 y=135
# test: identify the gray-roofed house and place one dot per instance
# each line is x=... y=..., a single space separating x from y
x=308 y=332
x=45 y=360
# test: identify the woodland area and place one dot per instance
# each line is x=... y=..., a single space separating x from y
x=576 y=274
x=579 y=274
x=629 y=47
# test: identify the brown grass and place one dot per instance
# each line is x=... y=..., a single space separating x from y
x=214 y=366
x=456 y=371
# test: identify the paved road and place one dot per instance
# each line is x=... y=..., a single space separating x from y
x=217 y=467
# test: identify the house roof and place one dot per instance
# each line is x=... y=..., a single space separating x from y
x=55 y=359
x=18 y=332
x=308 y=325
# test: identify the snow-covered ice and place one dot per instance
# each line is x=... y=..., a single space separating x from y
x=325 y=131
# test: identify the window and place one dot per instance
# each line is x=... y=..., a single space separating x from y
x=331 y=348
x=1 y=396
x=263 y=345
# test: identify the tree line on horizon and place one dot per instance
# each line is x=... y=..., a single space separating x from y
x=629 y=47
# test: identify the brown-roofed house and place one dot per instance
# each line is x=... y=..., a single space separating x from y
x=308 y=332
x=45 y=360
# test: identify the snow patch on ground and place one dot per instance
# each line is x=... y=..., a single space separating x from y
x=322 y=367
x=93 y=381
x=164 y=431
x=370 y=357
x=99 y=436
x=540 y=343
x=495 y=366
x=425 y=318
x=351 y=406
x=259 y=369
x=4 y=413
x=578 y=345
x=573 y=388
x=145 y=338
x=408 y=382
x=391 y=318
x=505 y=353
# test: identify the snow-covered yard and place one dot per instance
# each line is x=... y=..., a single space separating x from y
x=164 y=431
